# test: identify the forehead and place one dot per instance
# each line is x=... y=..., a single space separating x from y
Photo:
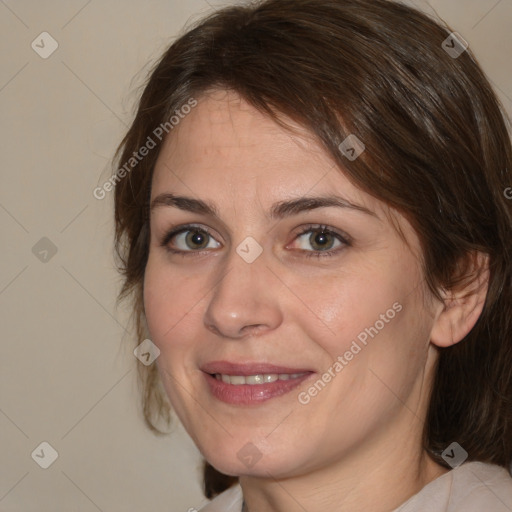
x=224 y=127
x=225 y=147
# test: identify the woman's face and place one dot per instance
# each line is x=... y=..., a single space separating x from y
x=265 y=295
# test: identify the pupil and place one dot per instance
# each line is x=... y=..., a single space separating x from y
x=197 y=238
x=320 y=239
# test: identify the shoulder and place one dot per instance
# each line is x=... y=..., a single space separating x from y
x=482 y=486
x=228 y=501
x=471 y=487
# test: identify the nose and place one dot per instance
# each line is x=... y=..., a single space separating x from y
x=246 y=299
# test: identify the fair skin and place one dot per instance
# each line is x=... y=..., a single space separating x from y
x=356 y=445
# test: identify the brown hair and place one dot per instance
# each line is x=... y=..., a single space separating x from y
x=437 y=150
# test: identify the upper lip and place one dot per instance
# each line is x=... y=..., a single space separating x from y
x=230 y=368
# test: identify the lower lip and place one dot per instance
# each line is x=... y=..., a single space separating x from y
x=248 y=394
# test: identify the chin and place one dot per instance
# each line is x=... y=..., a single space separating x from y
x=249 y=461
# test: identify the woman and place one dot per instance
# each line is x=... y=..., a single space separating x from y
x=317 y=240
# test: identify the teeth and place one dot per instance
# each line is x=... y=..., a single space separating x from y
x=251 y=379
x=262 y=378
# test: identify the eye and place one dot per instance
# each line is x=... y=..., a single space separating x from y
x=189 y=239
x=194 y=239
x=322 y=240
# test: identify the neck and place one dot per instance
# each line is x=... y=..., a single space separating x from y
x=357 y=484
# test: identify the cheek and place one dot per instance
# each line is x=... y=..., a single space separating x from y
x=350 y=305
x=169 y=310
x=372 y=319
x=169 y=301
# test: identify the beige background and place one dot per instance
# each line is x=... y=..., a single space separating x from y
x=67 y=376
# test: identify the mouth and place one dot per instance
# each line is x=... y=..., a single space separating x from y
x=252 y=383
x=255 y=380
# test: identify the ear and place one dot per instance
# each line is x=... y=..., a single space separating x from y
x=461 y=308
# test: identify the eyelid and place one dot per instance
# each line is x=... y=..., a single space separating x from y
x=176 y=230
x=343 y=237
x=324 y=228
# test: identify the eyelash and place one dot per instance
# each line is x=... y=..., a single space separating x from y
x=344 y=239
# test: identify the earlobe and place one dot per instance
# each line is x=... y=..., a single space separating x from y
x=462 y=307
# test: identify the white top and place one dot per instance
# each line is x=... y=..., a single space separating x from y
x=471 y=487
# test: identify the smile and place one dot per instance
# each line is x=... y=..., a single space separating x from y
x=252 y=380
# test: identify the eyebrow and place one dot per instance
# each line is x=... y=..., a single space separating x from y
x=278 y=210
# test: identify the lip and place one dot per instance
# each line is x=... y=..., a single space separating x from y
x=230 y=368
x=247 y=394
